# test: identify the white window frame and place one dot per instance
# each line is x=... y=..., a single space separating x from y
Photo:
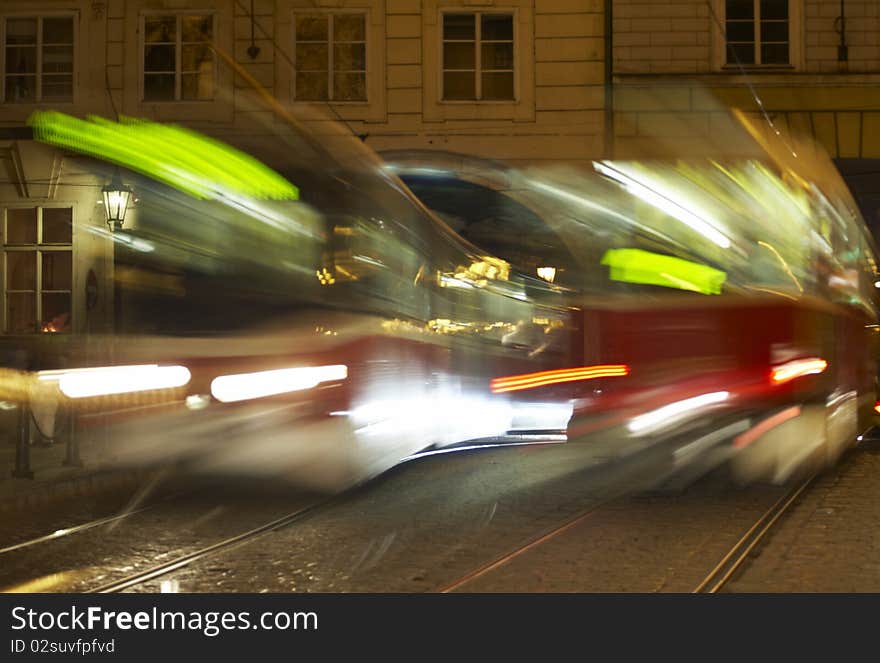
x=795 y=39
x=39 y=64
x=478 y=71
x=38 y=249
x=178 y=50
x=331 y=13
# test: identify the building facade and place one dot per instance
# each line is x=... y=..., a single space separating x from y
x=516 y=80
x=810 y=66
x=510 y=79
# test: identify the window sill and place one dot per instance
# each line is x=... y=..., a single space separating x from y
x=303 y=102
x=206 y=110
x=36 y=104
x=19 y=112
x=150 y=102
x=36 y=334
x=478 y=102
x=757 y=68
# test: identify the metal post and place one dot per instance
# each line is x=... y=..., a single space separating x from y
x=72 y=457
x=41 y=440
x=22 y=446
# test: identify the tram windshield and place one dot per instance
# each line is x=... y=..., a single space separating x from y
x=759 y=224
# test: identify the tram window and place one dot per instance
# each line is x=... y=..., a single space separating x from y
x=496 y=223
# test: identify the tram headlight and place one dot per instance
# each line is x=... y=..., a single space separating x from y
x=247 y=386
x=111 y=380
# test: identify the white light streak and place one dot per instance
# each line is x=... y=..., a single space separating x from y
x=246 y=386
x=666 y=204
x=674 y=412
x=109 y=380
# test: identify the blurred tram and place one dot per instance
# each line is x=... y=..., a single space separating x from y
x=300 y=316
x=727 y=307
x=284 y=305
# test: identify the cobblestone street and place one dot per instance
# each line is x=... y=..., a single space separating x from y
x=432 y=522
x=830 y=541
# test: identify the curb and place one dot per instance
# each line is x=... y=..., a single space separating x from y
x=91 y=483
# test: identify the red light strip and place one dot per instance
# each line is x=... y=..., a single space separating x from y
x=796 y=369
x=543 y=378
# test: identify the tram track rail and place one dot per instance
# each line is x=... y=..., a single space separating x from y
x=725 y=570
x=226 y=544
x=599 y=501
x=75 y=529
x=63 y=532
x=510 y=555
x=287 y=520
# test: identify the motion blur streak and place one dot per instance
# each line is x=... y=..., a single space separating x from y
x=771 y=422
x=706 y=441
x=663 y=202
x=14 y=386
x=674 y=412
x=184 y=159
x=87 y=382
x=784 y=264
x=544 y=439
x=797 y=368
x=543 y=378
x=246 y=386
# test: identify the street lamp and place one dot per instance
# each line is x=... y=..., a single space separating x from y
x=116 y=199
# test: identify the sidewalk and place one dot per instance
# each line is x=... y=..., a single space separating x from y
x=54 y=479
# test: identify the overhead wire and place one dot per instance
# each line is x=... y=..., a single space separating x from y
x=747 y=78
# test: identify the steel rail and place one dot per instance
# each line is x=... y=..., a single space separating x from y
x=719 y=576
x=91 y=524
x=226 y=544
x=516 y=552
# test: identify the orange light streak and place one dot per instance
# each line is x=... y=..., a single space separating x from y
x=755 y=432
x=544 y=378
x=797 y=368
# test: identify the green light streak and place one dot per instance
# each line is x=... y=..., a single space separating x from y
x=181 y=158
x=638 y=266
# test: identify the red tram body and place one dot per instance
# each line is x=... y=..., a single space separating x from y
x=775 y=372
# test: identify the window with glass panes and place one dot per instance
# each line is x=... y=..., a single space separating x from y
x=37 y=269
x=37 y=59
x=478 y=56
x=757 y=32
x=178 y=62
x=331 y=57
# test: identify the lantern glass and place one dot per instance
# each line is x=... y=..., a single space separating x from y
x=116 y=199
